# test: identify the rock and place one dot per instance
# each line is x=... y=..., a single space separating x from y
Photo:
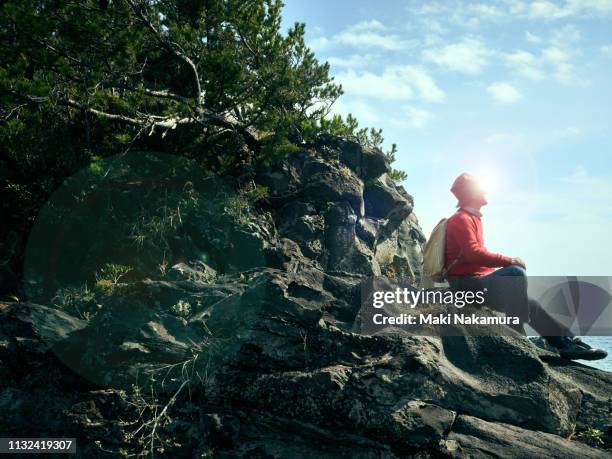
x=381 y=197
x=227 y=241
x=287 y=255
x=30 y=335
x=279 y=437
x=345 y=251
x=417 y=423
x=480 y=439
x=282 y=183
x=326 y=183
x=199 y=272
x=368 y=163
x=39 y=323
x=398 y=248
x=300 y=222
x=373 y=163
x=223 y=431
x=594 y=385
x=531 y=396
x=142 y=328
x=35 y=384
x=253 y=346
x=367 y=230
x=96 y=415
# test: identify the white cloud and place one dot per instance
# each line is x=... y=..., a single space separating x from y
x=359 y=108
x=566 y=73
x=429 y=8
x=465 y=13
x=544 y=9
x=504 y=93
x=566 y=35
x=556 y=55
x=516 y=7
x=563 y=70
x=458 y=13
x=525 y=64
x=370 y=25
x=433 y=25
x=483 y=9
x=606 y=50
x=589 y=6
x=370 y=34
x=432 y=39
x=532 y=38
x=380 y=86
x=315 y=29
x=467 y=56
x=412 y=118
x=395 y=83
x=318 y=43
x=353 y=61
x=369 y=39
x=424 y=83
x=547 y=10
x=559 y=54
x=553 y=62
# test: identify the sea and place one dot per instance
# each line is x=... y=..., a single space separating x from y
x=602 y=342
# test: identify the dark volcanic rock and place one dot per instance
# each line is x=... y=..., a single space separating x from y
x=327 y=183
x=345 y=251
x=368 y=163
x=480 y=439
x=250 y=344
x=382 y=196
x=29 y=323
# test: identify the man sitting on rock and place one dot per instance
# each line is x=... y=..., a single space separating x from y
x=471 y=267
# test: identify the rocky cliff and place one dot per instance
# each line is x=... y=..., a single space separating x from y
x=247 y=344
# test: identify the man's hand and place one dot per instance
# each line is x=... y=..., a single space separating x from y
x=520 y=262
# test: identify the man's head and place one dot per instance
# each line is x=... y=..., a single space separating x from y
x=468 y=191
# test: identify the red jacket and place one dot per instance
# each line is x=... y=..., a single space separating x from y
x=464 y=232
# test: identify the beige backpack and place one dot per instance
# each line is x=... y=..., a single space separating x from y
x=433 y=253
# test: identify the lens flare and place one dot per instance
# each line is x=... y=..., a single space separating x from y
x=489 y=179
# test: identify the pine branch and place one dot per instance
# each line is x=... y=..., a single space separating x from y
x=138 y=10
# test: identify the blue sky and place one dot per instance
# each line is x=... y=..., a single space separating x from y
x=515 y=91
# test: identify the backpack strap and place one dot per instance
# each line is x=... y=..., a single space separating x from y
x=451 y=264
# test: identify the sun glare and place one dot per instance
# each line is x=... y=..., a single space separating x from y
x=489 y=179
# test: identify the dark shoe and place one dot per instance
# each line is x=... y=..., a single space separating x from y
x=576 y=349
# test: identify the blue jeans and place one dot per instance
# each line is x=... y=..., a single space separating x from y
x=509 y=295
x=510 y=270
